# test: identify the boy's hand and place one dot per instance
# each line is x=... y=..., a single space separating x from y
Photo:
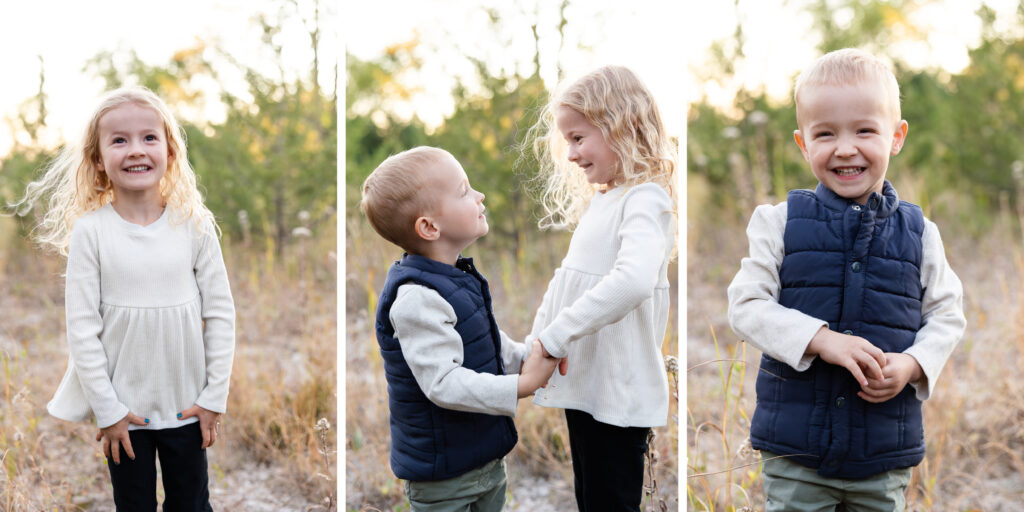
x=899 y=370
x=854 y=353
x=209 y=423
x=563 y=363
x=116 y=436
x=536 y=370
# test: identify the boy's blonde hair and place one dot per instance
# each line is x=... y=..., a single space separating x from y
x=847 y=67
x=395 y=195
x=73 y=186
x=613 y=99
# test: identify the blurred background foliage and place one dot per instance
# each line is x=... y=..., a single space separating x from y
x=272 y=157
x=963 y=163
x=965 y=128
x=482 y=133
x=494 y=104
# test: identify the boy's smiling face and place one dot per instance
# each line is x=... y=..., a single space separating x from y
x=847 y=133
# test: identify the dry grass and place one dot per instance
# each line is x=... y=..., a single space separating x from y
x=974 y=422
x=283 y=381
x=542 y=456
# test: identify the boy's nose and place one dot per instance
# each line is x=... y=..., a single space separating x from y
x=845 y=147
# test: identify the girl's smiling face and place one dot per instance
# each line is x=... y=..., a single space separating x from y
x=133 y=149
x=587 y=147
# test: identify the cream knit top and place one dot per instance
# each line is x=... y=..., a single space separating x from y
x=150 y=321
x=607 y=309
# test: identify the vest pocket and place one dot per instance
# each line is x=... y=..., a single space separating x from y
x=785 y=402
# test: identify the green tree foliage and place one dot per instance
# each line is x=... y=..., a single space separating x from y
x=274 y=156
x=483 y=133
x=965 y=129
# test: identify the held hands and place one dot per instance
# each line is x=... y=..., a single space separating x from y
x=209 y=423
x=536 y=370
x=881 y=375
x=898 y=371
x=854 y=353
x=116 y=436
x=563 y=363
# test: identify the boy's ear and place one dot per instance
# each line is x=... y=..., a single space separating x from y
x=899 y=137
x=427 y=229
x=799 y=138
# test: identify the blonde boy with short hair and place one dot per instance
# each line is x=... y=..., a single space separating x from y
x=848 y=293
x=453 y=378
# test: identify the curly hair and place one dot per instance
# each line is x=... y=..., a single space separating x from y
x=72 y=186
x=613 y=99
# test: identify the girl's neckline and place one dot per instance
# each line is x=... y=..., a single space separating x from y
x=132 y=225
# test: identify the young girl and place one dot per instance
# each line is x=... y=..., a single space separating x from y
x=150 y=318
x=607 y=168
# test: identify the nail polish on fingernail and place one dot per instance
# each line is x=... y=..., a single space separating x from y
x=147 y=419
x=179 y=415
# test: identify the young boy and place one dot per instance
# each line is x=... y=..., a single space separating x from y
x=452 y=383
x=848 y=293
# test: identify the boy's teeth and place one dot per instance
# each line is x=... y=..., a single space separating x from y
x=848 y=171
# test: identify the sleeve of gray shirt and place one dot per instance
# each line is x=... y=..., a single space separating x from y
x=942 y=312
x=425 y=327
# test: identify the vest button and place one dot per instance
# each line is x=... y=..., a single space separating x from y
x=840 y=402
x=848 y=332
x=855 y=266
x=873 y=202
x=856 y=207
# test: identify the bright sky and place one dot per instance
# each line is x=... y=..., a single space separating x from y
x=66 y=34
x=642 y=34
x=779 y=42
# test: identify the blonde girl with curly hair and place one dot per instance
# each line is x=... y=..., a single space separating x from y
x=607 y=168
x=150 y=317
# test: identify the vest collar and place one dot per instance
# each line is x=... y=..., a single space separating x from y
x=883 y=204
x=461 y=267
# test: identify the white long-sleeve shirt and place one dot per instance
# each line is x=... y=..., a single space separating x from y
x=606 y=308
x=783 y=333
x=425 y=327
x=150 y=321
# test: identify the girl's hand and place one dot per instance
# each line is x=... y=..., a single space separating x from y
x=116 y=436
x=536 y=371
x=899 y=370
x=209 y=423
x=563 y=363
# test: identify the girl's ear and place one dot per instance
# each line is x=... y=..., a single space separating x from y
x=426 y=229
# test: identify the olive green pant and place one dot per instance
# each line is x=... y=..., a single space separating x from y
x=791 y=486
x=479 y=490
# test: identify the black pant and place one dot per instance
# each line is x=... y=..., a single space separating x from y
x=182 y=463
x=607 y=463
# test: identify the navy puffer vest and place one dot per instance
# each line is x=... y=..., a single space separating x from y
x=429 y=442
x=857 y=268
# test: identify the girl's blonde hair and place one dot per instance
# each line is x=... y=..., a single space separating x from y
x=613 y=99
x=73 y=186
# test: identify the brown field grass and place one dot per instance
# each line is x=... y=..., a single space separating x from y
x=974 y=422
x=540 y=471
x=269 y=455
